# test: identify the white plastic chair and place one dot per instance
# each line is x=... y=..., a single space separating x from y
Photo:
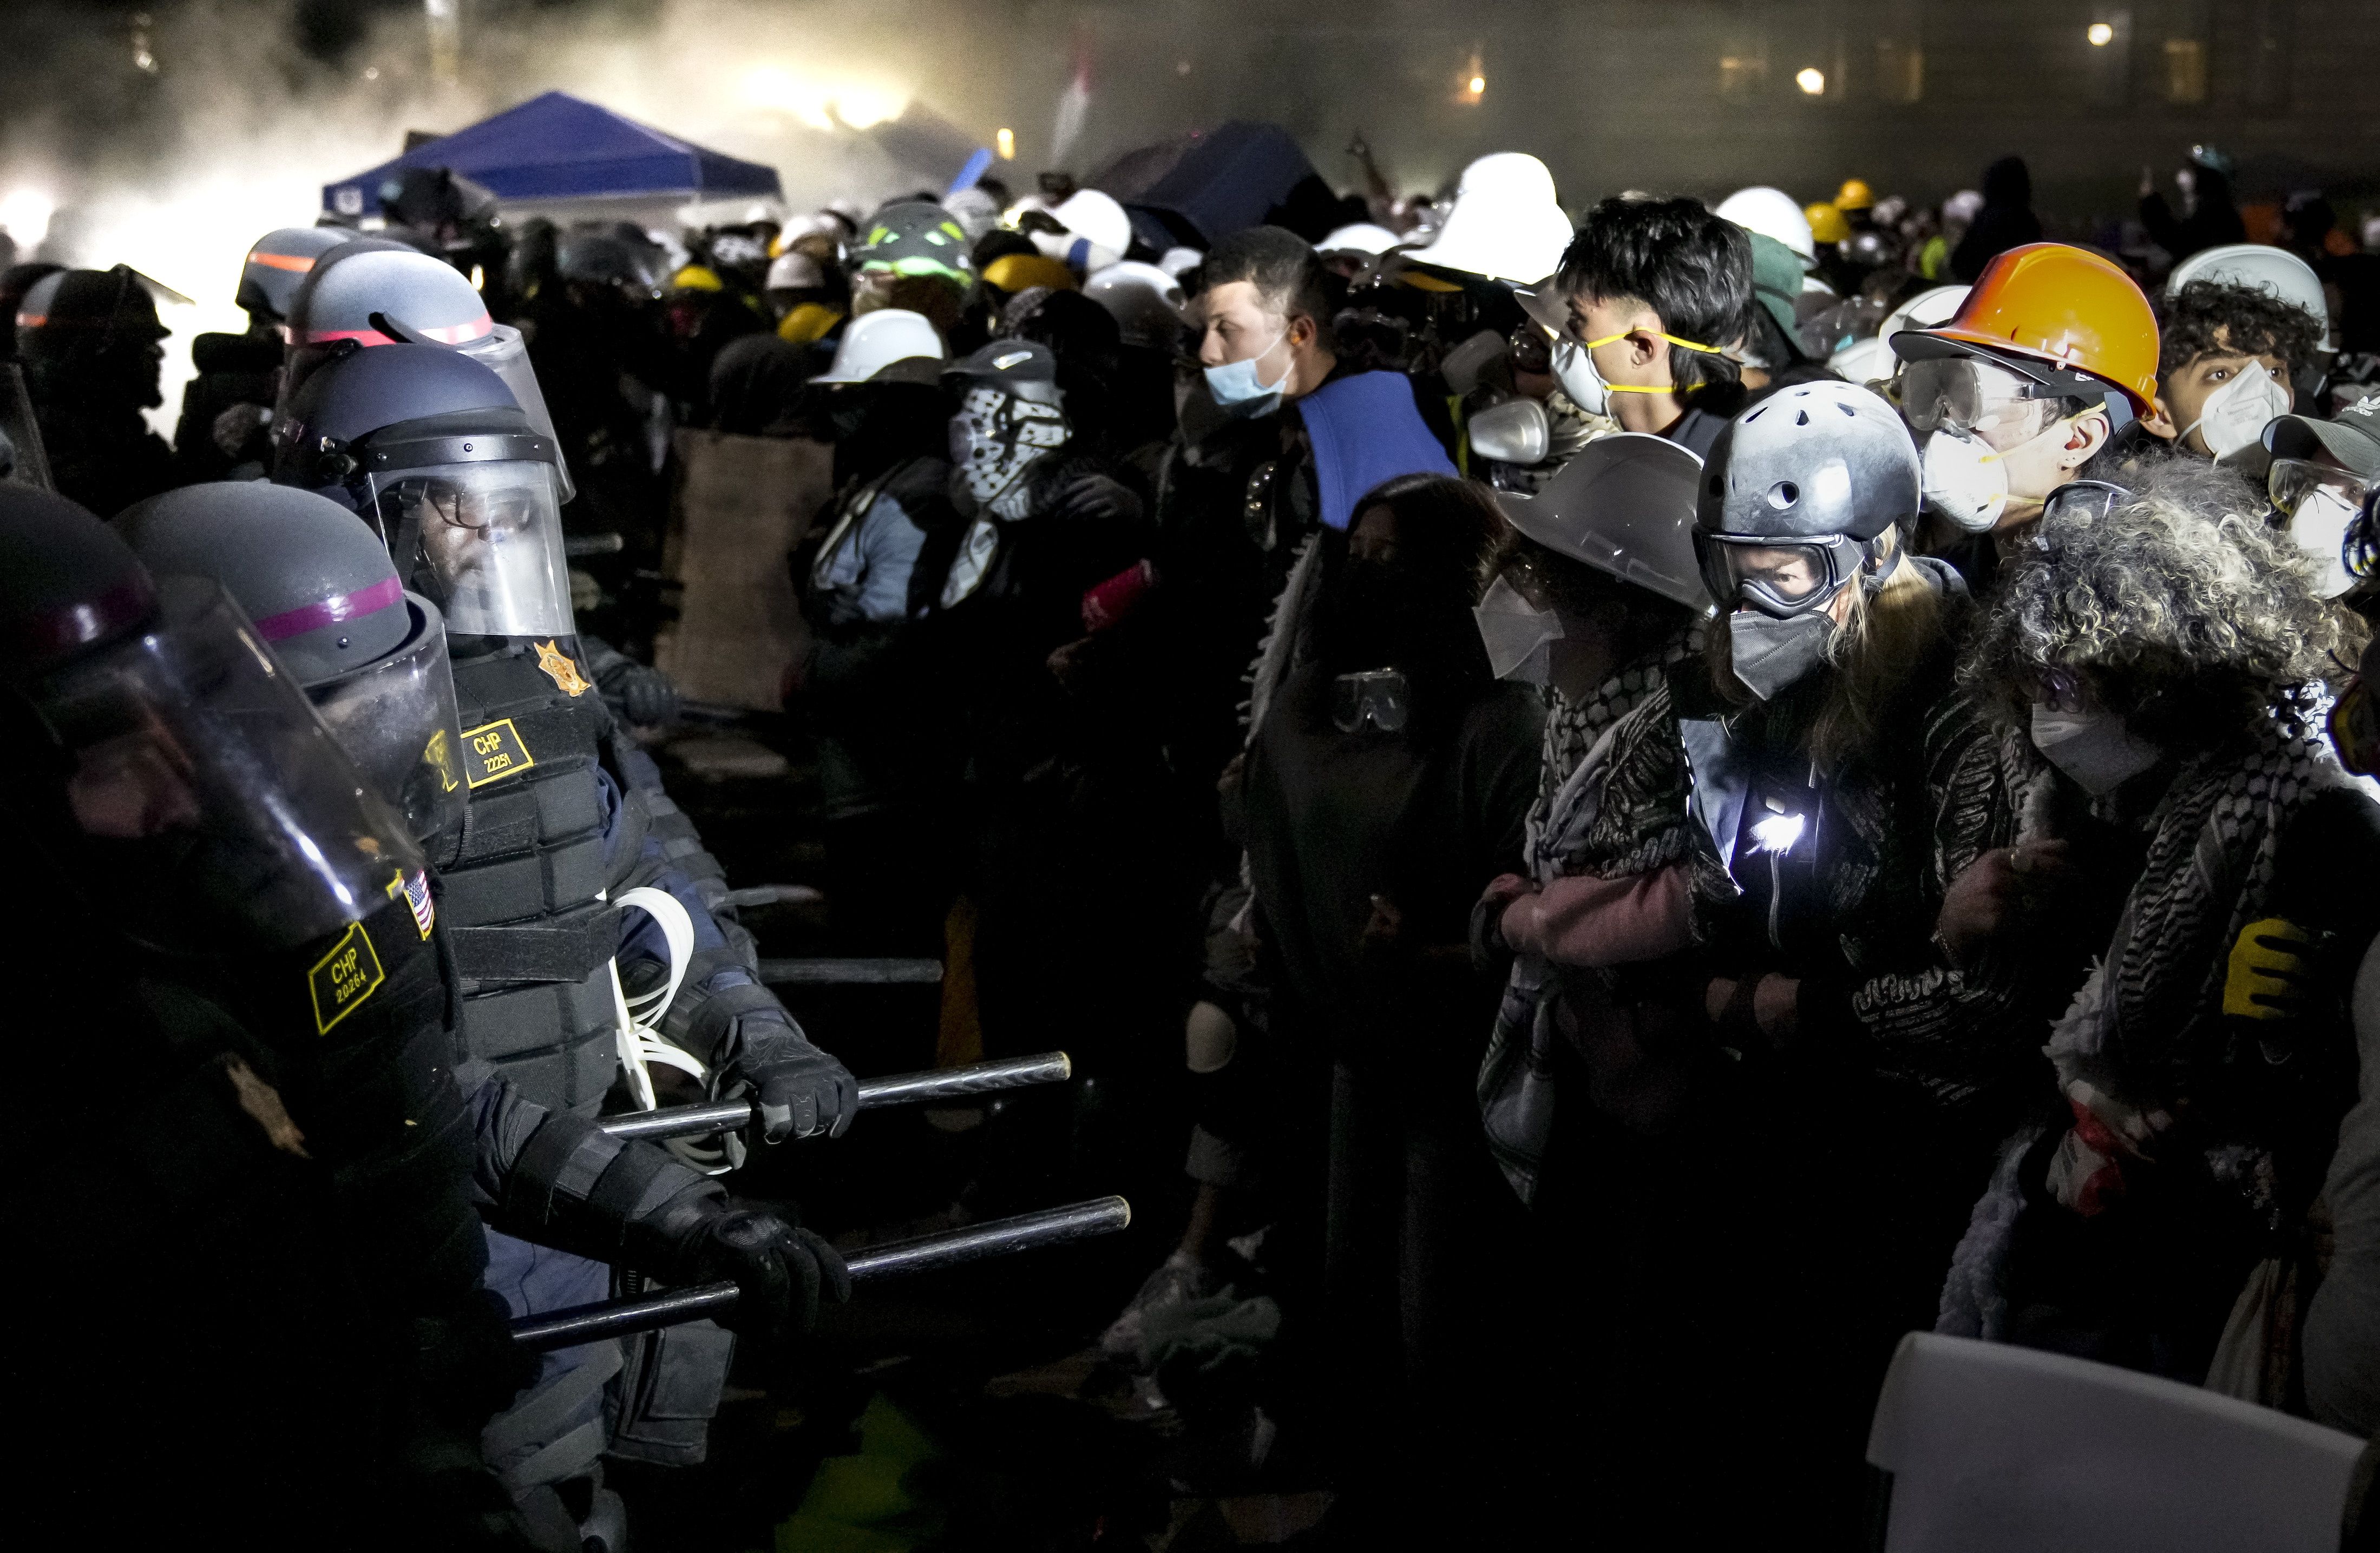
x=1992 y=1448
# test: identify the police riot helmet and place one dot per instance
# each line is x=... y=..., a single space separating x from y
x=376 y=292
x=168 y=758
x=321 y=588
x=431 y=448
x=278 y=264
x=77 y=317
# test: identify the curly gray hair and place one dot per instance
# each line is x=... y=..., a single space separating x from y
x=2180 y=610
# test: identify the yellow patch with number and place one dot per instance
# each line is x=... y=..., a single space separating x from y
x=561 y=670
x=494 y=751
x=345 y=977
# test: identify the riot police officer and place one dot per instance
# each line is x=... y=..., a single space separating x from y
x=322 y=589
x=565 y=816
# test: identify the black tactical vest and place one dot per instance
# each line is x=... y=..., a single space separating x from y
x=530 y=939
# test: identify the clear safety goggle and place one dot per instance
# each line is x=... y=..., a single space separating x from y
x=2360 y=551
x=1777 y=577
x=2291 y=480
x=1966 y=394
x=1379 y=698
x=2085 y=499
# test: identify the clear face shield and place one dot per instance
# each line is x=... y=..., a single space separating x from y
x=397 y=718
x=504 y=352
x=206 y=805
x=484 y=541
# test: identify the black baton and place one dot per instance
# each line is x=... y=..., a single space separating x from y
x=999 y=1237
x=899 y=1090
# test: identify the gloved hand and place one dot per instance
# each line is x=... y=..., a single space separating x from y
x=2274 y=972
x=467 y=1366
x=785 y=1273
x=1096 y=498
x=645 y=696
x=801 y=1089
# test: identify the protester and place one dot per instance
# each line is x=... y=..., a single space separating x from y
x=1386 y=781
x=2160 y=656
x=1657 y=291
x=2004 y=220
x=1842 y=785
x=2226 y=355
x=2209 y=218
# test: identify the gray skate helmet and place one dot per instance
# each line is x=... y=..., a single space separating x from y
x=1797 y=493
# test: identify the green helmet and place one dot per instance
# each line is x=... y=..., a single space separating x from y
x=915 y=237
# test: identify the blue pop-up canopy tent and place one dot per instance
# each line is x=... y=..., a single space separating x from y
x=556 y=147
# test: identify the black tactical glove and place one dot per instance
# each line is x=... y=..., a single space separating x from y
x=784 y=1272
x=1096 y=498
x=800 y=1089
x=646 y=696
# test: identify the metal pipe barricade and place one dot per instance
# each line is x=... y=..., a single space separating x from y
x=999 y=1237
x=898 y=1089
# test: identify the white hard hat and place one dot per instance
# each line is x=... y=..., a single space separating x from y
x=1871 y=361
x=1772 y=214
x=873 y=341
x=1146 y=302
x=1506 y=224
x=1089 y=214
x=1360 y=238
x=2255 y=267
x=1180 y=261
x=1075 y=251
x=793 y=272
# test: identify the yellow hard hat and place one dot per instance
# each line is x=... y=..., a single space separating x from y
x=1826 y=224
x=695 y=277
x=1853 y=195
x=1014 y=272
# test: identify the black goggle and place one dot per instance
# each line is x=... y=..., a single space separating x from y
x=1779 y=575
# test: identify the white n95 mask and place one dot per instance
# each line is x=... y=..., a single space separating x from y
x=2235 y=414
x=2093 y=747
x=1518 y=636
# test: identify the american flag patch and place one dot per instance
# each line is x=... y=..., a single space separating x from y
x=417 y=895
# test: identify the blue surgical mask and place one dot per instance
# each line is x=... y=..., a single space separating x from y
x=1234 y=384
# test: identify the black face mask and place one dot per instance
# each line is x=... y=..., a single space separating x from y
x=1378 y=611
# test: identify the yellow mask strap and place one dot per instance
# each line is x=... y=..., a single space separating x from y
x=1669 y=388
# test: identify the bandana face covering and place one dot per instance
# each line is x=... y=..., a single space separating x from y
x=1770 y=655
x=2093 y=747
x=2235 y=414
x=1518 y=636
x=996 y=437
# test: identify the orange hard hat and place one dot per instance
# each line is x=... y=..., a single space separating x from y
x=1853 y=196
x=2073 y=311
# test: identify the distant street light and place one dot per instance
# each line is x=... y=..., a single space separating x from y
x=2100 y=35
x=1006 y=140
x=1811 y=79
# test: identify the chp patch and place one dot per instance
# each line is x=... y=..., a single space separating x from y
x=560 y=669
x=494 y=751
x=342 y=979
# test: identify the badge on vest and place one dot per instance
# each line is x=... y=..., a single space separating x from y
x=494 y=751
x=439 y=756
x=342 y=979
x=561 y=670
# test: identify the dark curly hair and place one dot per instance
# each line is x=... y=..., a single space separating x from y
x=2181 y=609
x=2206 y=318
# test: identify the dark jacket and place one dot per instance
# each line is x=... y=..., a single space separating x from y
x=2006 y=221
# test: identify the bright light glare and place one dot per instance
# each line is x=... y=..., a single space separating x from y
x=26 y=213
x=819 y=104
x=1478 y=85
x=1811 y=79
x=1778 y=832
x=2100 y=35
x=1006 y=140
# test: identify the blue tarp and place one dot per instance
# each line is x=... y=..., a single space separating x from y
x=1222 y=181
x=556 y=147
